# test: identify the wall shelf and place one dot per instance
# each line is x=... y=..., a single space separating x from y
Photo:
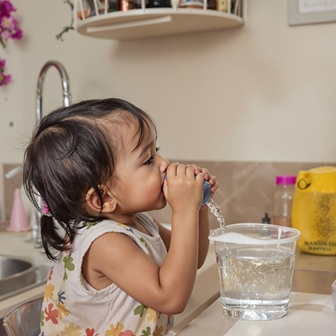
x=154 y=22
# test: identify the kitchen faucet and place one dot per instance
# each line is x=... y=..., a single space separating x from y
x=65 y=87
x=66 y=102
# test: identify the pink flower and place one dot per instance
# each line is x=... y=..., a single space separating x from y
x=8 y=23
x=9 y=29
x=6 y=8
x=5 y=34
x=8 y=79
x=4 y=79
x=17 y=35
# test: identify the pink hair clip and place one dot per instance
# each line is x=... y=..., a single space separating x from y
x=45 y=209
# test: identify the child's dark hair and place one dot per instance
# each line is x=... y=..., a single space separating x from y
x=72 y=150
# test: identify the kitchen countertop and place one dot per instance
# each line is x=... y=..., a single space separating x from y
x=308 y=314
x=312 y=274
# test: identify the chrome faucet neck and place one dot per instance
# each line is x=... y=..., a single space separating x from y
x=66 y=102
x=65 y=86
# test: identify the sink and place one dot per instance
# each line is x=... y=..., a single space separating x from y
x=15 y=273
x=19 y=274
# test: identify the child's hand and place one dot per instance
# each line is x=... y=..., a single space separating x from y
x=208 y=177
x=182 y=189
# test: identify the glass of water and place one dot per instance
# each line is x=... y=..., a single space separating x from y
x=255 y=268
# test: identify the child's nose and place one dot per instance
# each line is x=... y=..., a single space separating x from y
x=164 y=163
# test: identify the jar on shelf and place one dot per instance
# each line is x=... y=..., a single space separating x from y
x=191 y=4
x=84 y=10
x=159 y=4
x=113 y=5
x=126 y=5
x=222 y=5
x=283 y=199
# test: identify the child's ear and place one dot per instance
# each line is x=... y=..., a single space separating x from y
x=93 y=201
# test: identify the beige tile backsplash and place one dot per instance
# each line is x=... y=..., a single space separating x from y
x=245 y=192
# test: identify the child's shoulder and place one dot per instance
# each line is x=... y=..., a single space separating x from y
x=144 y=217
x=99 y=227
x=97 y=231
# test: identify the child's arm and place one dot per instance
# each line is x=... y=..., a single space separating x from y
x=204 y=229
x=115 y=258
x=203 y=241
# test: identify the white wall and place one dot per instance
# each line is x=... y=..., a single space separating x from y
x=263 y=92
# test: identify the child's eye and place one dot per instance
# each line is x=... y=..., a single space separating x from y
x=149 y=161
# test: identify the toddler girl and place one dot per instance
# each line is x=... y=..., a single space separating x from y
x=117 y=271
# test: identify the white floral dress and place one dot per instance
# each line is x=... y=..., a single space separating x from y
x=72 y=307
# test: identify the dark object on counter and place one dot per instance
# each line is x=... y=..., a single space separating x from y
x=158 y=3
x=266 y=219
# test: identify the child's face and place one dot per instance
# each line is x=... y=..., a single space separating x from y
x=139 y=174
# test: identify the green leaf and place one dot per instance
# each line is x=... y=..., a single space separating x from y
x=42 y=318
x=146 y=332
x=140 y=310
x=89 y=225
x=68 y=265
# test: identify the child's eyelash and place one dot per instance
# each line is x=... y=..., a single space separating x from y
x=150 y=160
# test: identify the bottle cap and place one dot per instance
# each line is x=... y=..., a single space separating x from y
x=285 y=179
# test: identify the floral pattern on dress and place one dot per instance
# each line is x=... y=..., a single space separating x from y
x=68 y=265
x=49 y=292
x=51 y=273
x=58 y=315
x=158 y=331
x=152 y=315
x=90 y=332
x=71 y=330
x=114 y=330
x=89 y=225
x=62 y=311
x=146 y=332
x=51 y=313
